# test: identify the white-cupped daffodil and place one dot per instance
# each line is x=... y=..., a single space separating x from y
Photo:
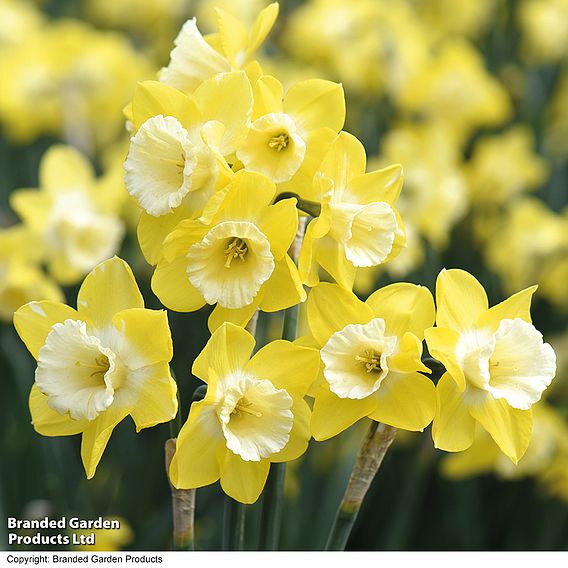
x=497 y=365
x=370 y=357
x=195 y=58
x=238 y=260
x=253 y=413
x=359 y=225
x=70 y=215
x=291 y=130
x=100 y=363
x=178 y=154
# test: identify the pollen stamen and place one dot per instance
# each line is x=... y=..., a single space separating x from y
x=279 y=142
x=243 y=406
x=371 y=360
x=237 y=249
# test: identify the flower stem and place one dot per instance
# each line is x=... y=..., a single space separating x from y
x=234 y=516
x=369 y=459
x=183 y=505
x=272 y=507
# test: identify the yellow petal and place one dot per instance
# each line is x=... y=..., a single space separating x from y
x=109 y=288
x=279 y=223
x=453 y=427
x=146 y=337
x=200 y=441
x=331 y=308
x=460 y=298
x=237 y=316
x=332 y=415
x=242 y=480
x=517 y=306
x=380 y=185
x=47 y=422
x=97 y=434
x=64 y=167
x=157 y=396
x=287 y=366
x=509 y=427
x=268 y=94
x=172 y=286
x=227 y=98
x=284 y=288
x=405 y=308
x=152 y=98
x=331 y=256
x=345 y=159
x=34 y=321
x=299 y=435
x=442 y=344
x=405 y=401
x=233 y=35
x=32 y=207
x=262 y=26
x=409 y=357
x=307 y=265
x=228 y=350
x=316 y=103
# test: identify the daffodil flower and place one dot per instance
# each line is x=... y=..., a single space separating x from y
x=253 y=413
x=371 y=354
x=238 y=260
x=176 y=160
x=196 y=58
x=291 y=130
x=70 y=214
x=358 y=225
x=100 y=363
x=498 y=365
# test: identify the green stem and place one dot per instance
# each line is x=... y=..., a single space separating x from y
x=234 y=517
x=272 y=507
x=312 y=208
x=369 y=460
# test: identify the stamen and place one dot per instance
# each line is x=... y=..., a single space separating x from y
x=371 y=359
x=100 y=367
x=279 y=142
x=243 y=406
x=237 y=249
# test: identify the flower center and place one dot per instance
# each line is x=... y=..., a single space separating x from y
x=99 y=366
x=279 y=142
x=244 y=405
x=371 y=360
x=237 y=248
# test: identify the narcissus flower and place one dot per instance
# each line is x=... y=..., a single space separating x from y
x=196 y=58
x=176 y=160
x=238 y=260
x=288 y=129
x=100 y=363
x=358 y=224
x=498 y=365
x=253 y=413
x=78 y=226
x=371 y=354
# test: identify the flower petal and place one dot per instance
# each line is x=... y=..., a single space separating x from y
x=287 y=366
x=453 y=428
x=510 y=428
x=199 y=443
x=109 y=288
x=405 y=401
x=280 y=223
x=345 y=159
x=442 y=344
x=460 y=298
x=64 y=167
x=332 y=415
x=331 y=308
x=299 y=435
x=284 y=288
x=380 y=185
x=34 y=321
x=237 y=316
x=243 y=480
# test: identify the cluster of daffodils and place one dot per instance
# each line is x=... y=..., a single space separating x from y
x=253 y=198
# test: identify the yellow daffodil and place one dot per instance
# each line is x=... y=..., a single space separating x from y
x=100 y=363
x=497 y=365
x=21 y=278
x=238 y=260
x=18 y=20
x=371 y=357
x=253 y=413
x=76 y=223
x=176 y=160
x=358 y=224
x=196 y=58
x=289 y=129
